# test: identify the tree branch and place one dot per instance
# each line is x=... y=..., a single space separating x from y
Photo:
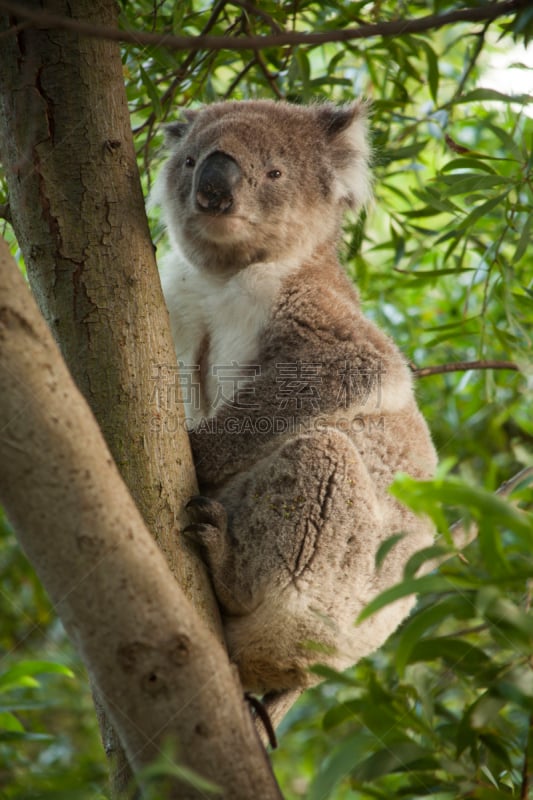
x=44 y=20
x=78 y=214
x=157 y=668
x=462 y=366
x=80 y=221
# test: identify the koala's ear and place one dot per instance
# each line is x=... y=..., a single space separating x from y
x=335 y=119
x=175 y=131
x=346 y=132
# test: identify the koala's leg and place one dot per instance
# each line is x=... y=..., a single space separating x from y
x=296 y=562
x=303 y=519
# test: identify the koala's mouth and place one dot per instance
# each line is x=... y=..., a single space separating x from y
x=222 y=227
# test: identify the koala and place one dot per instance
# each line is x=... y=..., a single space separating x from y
x=300 y=410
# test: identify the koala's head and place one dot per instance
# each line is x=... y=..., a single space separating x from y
x=260 y=181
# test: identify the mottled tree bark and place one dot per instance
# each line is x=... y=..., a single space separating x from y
x=78 y=213
x=158 y=669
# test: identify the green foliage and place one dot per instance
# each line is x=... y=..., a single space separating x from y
x=443 y=262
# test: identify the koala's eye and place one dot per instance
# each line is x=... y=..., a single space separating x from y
x=274 y=173
x=189 y=161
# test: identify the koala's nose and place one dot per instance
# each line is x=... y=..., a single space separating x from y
x=218 y=178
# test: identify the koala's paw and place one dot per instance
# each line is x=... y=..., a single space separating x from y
x=210 y=521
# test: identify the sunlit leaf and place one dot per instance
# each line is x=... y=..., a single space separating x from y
x=22 y=673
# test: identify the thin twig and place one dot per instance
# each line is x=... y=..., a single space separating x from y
x=261 y=63
x=238 y=77
x=44 y=20
x=471 y=62
x=462 y=366
x=258 y=12
x=270 y=78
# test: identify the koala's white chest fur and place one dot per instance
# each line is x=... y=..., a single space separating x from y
x=217 y=324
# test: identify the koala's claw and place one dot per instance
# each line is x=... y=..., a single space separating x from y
x=208 y=527
x=205 y=513
x=261 y=715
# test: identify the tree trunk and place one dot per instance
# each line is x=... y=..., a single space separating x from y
x=78 y=212
x=159 y=670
